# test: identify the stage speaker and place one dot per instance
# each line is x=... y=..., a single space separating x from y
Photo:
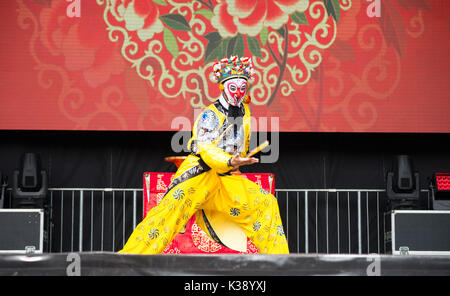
x=402 y=184
x=30 y=183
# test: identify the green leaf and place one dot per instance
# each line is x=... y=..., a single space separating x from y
x=214 y=48
x=393 y=27
x=170 y=42
x=236 y=46
x=176 y=22
x=281 y=31
x=206 y=13
x=160 y=2
x=213 y=37
x=333 y=8
x=224 y=48
x=253 y=46
x=239 y=46
x=299 y=18
x=263 y=35
x=214 y=53
x=230 y=46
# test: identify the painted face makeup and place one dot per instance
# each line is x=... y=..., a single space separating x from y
x=235 y=90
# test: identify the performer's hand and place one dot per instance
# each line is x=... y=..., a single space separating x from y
x=238 y=161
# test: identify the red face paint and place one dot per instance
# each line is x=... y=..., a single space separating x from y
x=235 y=90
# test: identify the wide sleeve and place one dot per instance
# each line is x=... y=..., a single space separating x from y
x=215 y=157
x=204 y=141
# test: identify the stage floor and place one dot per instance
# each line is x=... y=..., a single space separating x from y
x=113 y=264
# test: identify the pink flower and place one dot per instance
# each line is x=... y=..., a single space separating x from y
x=141 y=16
x=72 y=38
x=250 y=16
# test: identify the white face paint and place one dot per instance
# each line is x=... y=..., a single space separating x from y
x=235 y=89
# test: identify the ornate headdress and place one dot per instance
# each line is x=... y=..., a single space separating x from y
x=233 y=67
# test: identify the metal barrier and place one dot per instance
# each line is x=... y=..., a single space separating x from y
x=98 y=220
x=332 y=221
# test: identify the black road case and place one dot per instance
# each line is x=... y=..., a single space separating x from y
x=21 y=230
x=417 y=232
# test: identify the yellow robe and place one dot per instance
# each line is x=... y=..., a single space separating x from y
x=201 y=186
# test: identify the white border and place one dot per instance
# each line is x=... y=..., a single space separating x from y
x=41 y=234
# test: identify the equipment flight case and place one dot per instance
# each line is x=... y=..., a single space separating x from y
x=21 y=230
x=417 y=232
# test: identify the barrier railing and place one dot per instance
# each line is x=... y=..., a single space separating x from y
x=328 y=221
x=333 y=220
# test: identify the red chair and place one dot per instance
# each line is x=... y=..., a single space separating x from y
x=193 y=239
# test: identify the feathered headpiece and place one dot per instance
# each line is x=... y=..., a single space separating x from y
x=233 y=67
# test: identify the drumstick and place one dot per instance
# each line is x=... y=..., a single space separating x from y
x=258 y=149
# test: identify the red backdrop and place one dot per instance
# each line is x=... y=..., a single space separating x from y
x=321 y=65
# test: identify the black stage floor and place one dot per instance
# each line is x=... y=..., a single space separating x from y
x=113 y=264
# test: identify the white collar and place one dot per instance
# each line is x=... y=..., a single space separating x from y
x=223 y=102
